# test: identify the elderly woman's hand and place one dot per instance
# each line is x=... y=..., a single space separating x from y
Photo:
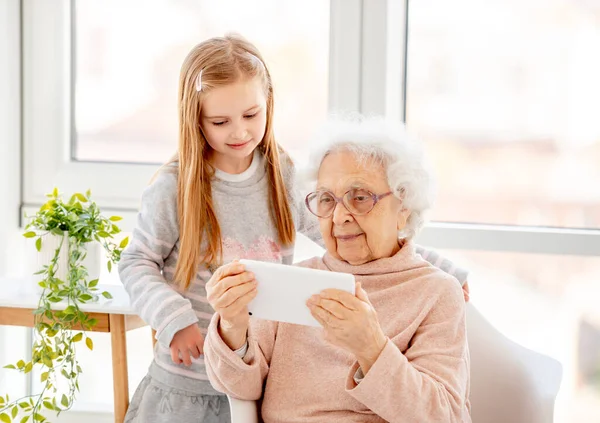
x=350 y=322
x=229 y=291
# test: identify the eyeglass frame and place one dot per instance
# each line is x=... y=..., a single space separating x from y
x=339 y=200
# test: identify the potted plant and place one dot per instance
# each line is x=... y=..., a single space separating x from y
x=70 y=227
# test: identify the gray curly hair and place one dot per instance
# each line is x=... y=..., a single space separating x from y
x=373 y=138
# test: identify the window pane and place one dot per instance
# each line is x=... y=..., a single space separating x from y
x=128 y=56
x=550 y=305
x=506 y=95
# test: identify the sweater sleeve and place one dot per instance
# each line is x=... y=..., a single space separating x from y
x=443 y=263
x=238 y=377
x=431 y=376
x=141 y=264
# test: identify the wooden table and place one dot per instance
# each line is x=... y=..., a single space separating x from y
x=18 y=299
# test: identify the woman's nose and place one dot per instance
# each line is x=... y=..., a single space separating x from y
x=341 y=214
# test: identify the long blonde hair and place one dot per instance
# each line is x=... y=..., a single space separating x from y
x=222 y=61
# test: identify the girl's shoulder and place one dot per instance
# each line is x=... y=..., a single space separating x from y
x=164 y=182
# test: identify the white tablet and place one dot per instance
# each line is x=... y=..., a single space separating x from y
x=283 y=290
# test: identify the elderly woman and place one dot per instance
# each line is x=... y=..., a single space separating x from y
x=397 y=351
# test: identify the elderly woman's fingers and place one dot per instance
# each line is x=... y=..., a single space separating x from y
x=238 y=306
x=216 y=292
x=324 y=317
x=361 y=294
x=334 y=307
x=346 y=299
x=235 y=293
x=224 y=271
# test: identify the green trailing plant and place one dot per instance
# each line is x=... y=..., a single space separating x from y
x=77 y=222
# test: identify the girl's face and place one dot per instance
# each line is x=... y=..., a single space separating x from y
x=234 y=119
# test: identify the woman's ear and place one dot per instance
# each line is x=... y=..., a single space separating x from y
x=403 y=215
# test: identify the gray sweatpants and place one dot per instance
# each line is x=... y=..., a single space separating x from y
x=154 y=402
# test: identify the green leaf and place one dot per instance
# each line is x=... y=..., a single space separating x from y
x=38 y=417
x=64 y=401
x=88 y=193
x=24 y=405
x=14 y=411
x=9 y=366
x=28 y=367
x=103 y=234
x=44 y=377
x=70 y=310
x=20 y=364
x=89 y=343
x=5 y=418
x=78 y=337
x=109 y=265
x=29 y=234
x=47 y=361
x=48 y=405
x=115 y=218
x=25 y=419
x=38 y=244
x=93 y=283
x=55 y=192
x=106 y=294
x=124 y=242
x=85 y=297
x=81 y=197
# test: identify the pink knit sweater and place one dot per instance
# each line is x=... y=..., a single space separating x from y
x=422 y=374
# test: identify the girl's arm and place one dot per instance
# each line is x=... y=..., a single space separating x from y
x=141 y=264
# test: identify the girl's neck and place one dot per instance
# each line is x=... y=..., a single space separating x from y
x=256 y=162
x=232 y=166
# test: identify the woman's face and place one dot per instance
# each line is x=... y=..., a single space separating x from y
x=358 y=239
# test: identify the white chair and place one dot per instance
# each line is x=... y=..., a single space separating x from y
x=509 y=383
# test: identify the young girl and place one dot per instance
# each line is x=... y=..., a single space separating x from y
x=227 y=194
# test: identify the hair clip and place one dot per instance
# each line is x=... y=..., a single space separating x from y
x=199 y=81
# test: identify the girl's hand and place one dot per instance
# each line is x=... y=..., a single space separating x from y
x=350 y=322
x=229 y=291
x=187 y=342
x=466 y=292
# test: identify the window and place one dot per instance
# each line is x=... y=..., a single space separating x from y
x=110 y=114
x=127 y=81
x=504 y=95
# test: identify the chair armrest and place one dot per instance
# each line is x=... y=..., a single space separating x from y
x=243 y=411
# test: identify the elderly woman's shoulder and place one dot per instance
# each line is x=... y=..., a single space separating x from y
x=440 y=284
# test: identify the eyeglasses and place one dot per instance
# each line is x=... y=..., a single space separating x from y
x=357 y=201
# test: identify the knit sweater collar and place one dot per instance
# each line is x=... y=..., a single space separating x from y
x=402 y=260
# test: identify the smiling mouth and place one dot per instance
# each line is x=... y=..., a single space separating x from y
x=239 y=145
x=347 y=237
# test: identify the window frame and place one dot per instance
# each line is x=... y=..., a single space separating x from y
x=368 y=53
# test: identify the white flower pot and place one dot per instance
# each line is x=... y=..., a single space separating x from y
x=35 y=261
